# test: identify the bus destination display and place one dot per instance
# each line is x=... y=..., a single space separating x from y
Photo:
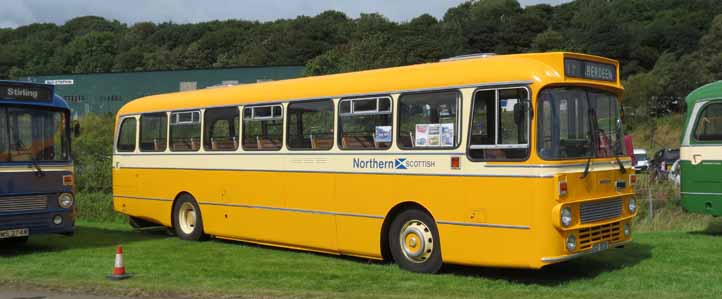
x=25 y=92
x=590 y=70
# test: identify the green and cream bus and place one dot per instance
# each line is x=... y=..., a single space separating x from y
x=701 y=151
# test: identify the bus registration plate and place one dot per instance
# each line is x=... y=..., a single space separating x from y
x=11 y=233
x=600 y=247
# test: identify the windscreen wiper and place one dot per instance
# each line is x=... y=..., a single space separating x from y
x=38 y=171
x=593 y=136
x=616 y=157
x=617 y=149
x=586 y=168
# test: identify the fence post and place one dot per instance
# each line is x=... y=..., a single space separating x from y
x=650 y=199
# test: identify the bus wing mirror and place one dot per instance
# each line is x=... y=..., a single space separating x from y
x=76 y=129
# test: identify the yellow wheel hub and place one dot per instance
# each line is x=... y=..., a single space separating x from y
x=187 y=218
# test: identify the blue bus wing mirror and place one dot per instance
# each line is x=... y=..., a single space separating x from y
x=76 y=129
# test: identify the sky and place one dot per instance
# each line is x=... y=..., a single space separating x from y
x=14 y=13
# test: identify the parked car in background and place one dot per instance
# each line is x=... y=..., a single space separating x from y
x=641 y=160
x=629 y=148
x=662 y=162
x=674 y=174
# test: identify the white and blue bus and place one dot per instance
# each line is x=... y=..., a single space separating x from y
x=36 y=169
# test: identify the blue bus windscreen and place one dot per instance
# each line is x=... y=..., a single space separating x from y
x=32 y=134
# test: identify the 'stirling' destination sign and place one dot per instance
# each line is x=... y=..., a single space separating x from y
x=590 y=70
x=25 y=92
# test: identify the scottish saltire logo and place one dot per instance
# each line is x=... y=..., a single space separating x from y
x=400 y=163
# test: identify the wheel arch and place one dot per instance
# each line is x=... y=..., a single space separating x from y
x=393 y=212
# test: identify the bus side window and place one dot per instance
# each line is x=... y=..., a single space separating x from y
x=126 y=135
x=262 y=128
x=153 y=131
x=185 y=131
x=709 y=124
x=310 y=125
x=220 y=129
x=500 y=125
x=428 y=120
x=365 y=123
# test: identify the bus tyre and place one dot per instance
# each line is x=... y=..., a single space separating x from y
x=414 y=242
x=187 y=220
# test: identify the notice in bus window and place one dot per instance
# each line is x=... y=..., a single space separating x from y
x=447 y=134
x=382 y=134
x=434 y=135
x=421 y=136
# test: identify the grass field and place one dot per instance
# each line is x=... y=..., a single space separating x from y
x=677 y=264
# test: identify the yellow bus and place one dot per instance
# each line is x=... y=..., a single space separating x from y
x=508 y=160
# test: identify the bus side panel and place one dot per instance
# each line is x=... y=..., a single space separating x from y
x=150 y=210
x=461 y=205
x=234 y=204
x=269 y=207
x=309 y=221
x=467 y=245
x=551 y=240
x=702 y=182
x=496 y=226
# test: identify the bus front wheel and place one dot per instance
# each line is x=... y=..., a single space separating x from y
x=414 y=242
x=187 y=219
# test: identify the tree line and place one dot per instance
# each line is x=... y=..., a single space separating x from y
x=667 y=47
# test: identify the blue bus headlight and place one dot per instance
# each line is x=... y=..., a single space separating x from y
x=65 y=200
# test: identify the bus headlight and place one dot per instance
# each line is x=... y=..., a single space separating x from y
x=571 y=242
x=65 y=200
x=632 y=205
x=627 y=229
x=566 y=216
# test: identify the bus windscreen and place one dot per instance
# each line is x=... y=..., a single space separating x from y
x=33 y=134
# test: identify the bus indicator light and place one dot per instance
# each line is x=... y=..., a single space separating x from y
x=632 y=180
x=455 y=163
x=563 y=188
x=68 y=180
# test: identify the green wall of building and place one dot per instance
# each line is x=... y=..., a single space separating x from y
x=107 y=92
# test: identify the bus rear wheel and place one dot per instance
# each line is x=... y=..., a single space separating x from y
x=187 y=219
x=414 y=242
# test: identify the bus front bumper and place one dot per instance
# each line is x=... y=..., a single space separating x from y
x=563 y=258
x=40 y=222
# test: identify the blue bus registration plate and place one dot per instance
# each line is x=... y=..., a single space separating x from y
x=11 y=233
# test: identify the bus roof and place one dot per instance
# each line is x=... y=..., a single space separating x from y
x=54 y=101
x=708 y=91
x=534 y=68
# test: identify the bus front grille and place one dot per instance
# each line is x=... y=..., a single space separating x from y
x=23 y=203
x=600 y=210
x=609 y=232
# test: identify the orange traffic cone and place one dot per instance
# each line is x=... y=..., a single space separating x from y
x=119 y=269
